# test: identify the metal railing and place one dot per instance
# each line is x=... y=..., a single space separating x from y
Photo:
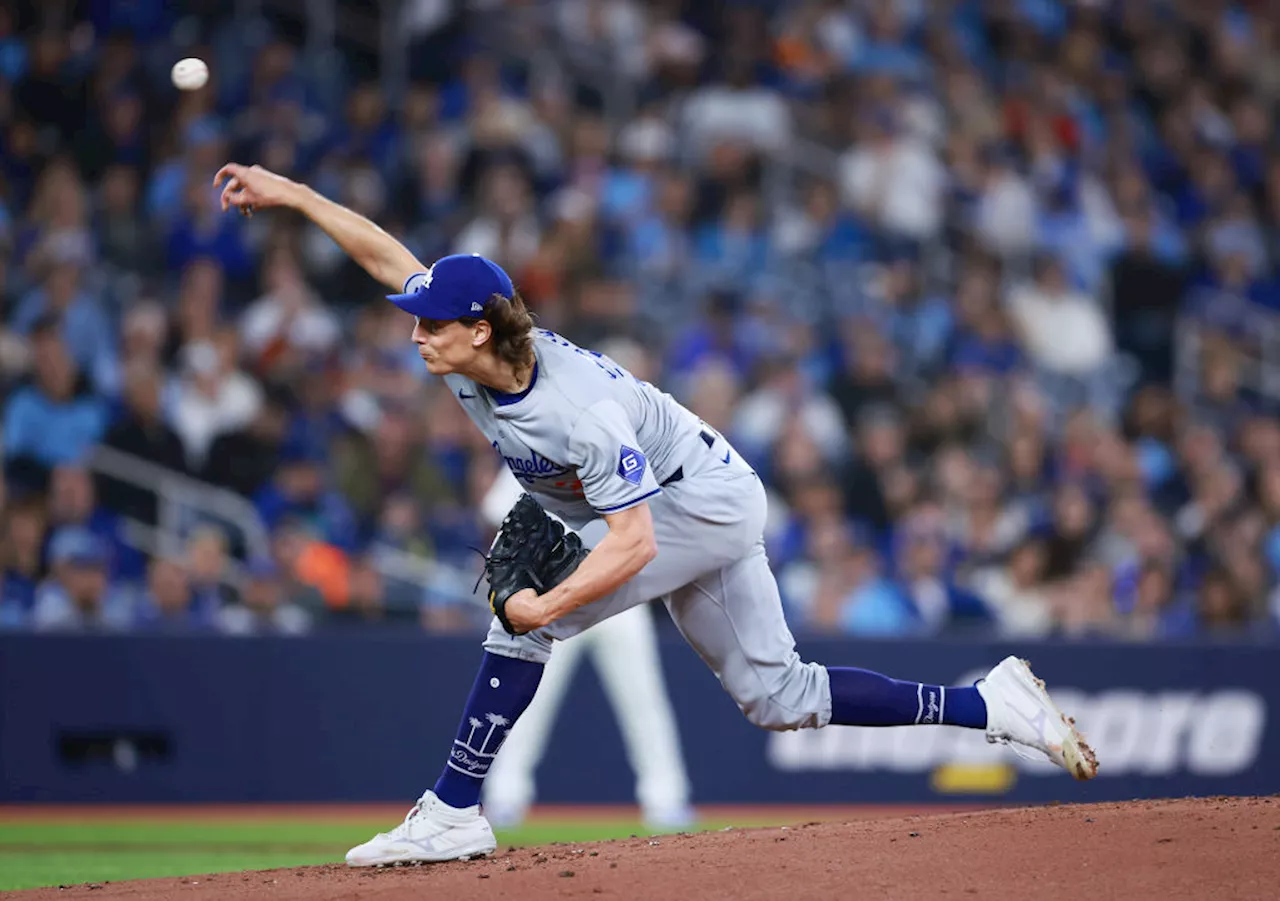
x=176 y=493
x=180 y=499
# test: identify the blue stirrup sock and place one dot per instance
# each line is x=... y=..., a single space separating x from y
x=504 y=687
x=860 y=697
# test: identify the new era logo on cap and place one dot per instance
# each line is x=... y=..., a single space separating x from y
x=476 y=308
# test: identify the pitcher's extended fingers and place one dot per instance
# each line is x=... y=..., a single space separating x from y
x=230 y=170
x=228 y=193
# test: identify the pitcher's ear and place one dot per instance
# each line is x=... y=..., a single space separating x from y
x=481 y=332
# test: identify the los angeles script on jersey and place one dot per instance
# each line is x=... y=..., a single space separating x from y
x=534 y=466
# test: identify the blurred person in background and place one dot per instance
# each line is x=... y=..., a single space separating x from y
x=782 y=395
x=199 y=305
x=1006 y=208
x=1147 y=282
x=86 y=331
x=25 y=524
x=263 y=608
x=210 y=398
x=304 y=570
x=168 y=603
x=78 y=596
x=208 y=571
x=911 y=316
x=1222 y=610
x=144 y=334
x=819 y=229
x=506 y=228
x=366 y=596
x=73 y=501
x=287 y=324
x=140 y=431
x=1013 y=589
x=122 y=233
x=880 y=440
x=987 y=523
x=893 y=179
x=377 y=368
x=1070 y=531
x=803 y=498
x=400 y=531
x=861 y=600
x=388 y=459
x=938 y=602
x=1084 y=604
x=244 y=459
x=1157 y=610
x=1221 y=403
x=868 y=378
x=300 y=493
x=1066 y=334
x=56 y=419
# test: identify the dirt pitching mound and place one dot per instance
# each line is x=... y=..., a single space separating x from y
x=1221 y=848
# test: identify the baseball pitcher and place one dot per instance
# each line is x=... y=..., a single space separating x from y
x=685 y=517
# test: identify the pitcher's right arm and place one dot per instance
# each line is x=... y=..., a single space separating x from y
x=250 y=188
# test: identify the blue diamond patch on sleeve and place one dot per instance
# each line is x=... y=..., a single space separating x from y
x=631 y=465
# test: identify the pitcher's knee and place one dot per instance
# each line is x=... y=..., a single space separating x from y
x=533 y=646
x=799 y=698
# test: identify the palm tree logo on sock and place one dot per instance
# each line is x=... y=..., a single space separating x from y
x=495 y=720
x=467 y=758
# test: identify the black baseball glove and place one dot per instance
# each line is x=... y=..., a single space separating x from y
x=531 y=550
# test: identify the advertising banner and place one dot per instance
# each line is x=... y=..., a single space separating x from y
x=368 y=717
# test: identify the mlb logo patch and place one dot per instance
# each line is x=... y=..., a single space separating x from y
x=631 y=465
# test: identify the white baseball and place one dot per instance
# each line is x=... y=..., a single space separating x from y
x=190 y=74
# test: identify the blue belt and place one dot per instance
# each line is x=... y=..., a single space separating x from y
x=708 y=439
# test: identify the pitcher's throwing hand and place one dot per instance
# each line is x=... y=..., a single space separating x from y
x=252 y=187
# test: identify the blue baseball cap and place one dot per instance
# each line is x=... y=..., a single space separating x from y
x=456 y=286
x=78 y=546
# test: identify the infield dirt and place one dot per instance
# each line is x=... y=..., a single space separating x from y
x=1206 y=848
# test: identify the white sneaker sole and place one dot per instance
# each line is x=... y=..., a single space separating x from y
x=1077 y=757
x=413 y=857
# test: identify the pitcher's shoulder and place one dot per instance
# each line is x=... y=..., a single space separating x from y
x=583 y=370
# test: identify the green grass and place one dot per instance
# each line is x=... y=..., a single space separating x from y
x=34 y=854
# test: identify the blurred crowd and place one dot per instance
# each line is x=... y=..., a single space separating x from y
x=981 y=289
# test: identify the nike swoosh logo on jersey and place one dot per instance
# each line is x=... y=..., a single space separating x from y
x=726 y=457
x=462 y=395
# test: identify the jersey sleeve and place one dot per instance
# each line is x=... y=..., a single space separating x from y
x=611 y=464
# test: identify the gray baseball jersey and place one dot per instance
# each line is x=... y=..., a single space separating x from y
x=587 y=438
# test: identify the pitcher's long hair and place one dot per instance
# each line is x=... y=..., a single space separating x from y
x=512 y=325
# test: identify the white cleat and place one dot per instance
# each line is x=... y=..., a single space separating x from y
x=1020 y=712
x=678 y=818
x=505 y=816
x=431 y=833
